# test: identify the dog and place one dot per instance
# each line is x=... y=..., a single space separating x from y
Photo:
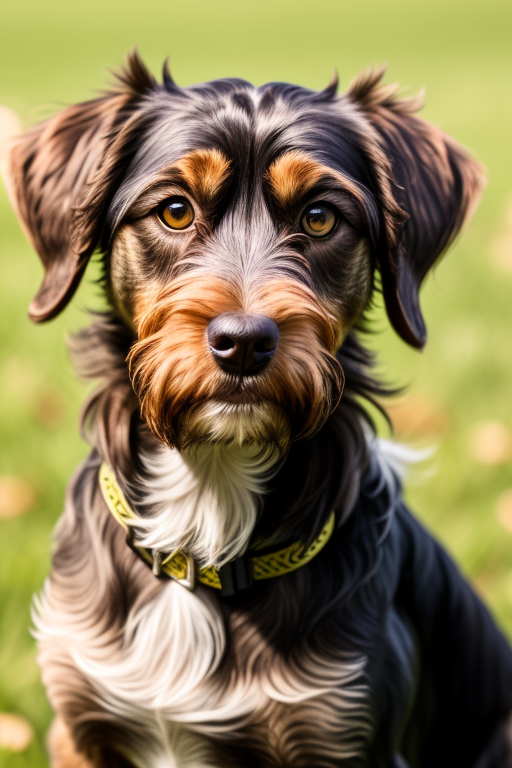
x=236 y=579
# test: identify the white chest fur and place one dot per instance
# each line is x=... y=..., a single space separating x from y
x=169 y=672
x=205 y=501
x=168 y=678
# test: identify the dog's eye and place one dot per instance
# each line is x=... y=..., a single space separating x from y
x=318 y=220
x=176 y=213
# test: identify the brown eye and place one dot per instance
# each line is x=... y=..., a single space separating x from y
x=318 y=220
x=176 y=213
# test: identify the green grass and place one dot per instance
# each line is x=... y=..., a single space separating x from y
x=60 y=52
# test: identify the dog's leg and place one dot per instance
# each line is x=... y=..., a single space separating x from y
x=498 y=752
x=63 y=753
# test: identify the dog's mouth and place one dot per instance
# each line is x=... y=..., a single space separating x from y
x=240 y=412
x=243 y=391
x=249 y=411
x=272 y=408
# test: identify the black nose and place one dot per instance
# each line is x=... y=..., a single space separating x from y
x=242 y=344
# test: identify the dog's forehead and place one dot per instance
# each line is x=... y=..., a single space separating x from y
x=248 y=123
x=250 y=126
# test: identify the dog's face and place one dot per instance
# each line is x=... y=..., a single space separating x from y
x=241 y=258
x=242 y=229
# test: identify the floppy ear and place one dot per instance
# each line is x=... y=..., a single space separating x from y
x=428 y=187
x=63 y=173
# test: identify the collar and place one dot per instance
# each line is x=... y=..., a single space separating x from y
x=230 y=578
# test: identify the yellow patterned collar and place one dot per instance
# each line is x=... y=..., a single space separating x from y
x=230 y=578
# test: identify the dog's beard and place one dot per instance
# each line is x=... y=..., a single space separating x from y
x=185 y=397
x=236 y=424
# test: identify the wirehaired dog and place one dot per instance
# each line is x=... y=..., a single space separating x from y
x=236 y=580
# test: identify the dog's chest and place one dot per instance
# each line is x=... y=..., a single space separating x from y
x=206 y=691
x=175 y=679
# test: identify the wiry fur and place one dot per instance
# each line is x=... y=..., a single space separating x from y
x=349 y=660
x=174 y=374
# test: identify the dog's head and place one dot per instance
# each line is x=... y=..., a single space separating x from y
x=242 y=229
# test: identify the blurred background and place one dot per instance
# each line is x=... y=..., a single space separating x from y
x=459 y=390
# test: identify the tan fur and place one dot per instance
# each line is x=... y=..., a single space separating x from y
x=175 y=370
x=205 y=171
x=293 y=174
x=62 y=750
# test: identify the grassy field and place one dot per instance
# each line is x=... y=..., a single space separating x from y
x=459 y=389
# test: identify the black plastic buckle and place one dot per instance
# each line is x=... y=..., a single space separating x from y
x=236 y=576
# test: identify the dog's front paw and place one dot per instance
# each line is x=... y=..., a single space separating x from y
x=62 y=750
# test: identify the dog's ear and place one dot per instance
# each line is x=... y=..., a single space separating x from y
x=428 y=187
x=63 y=173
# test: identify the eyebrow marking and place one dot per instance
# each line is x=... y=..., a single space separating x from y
x=293 y=174
x=205 y=171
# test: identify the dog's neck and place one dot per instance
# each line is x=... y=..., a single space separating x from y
x=203 y=501
x=211 y=500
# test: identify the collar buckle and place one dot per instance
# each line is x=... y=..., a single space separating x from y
x=189 y=580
